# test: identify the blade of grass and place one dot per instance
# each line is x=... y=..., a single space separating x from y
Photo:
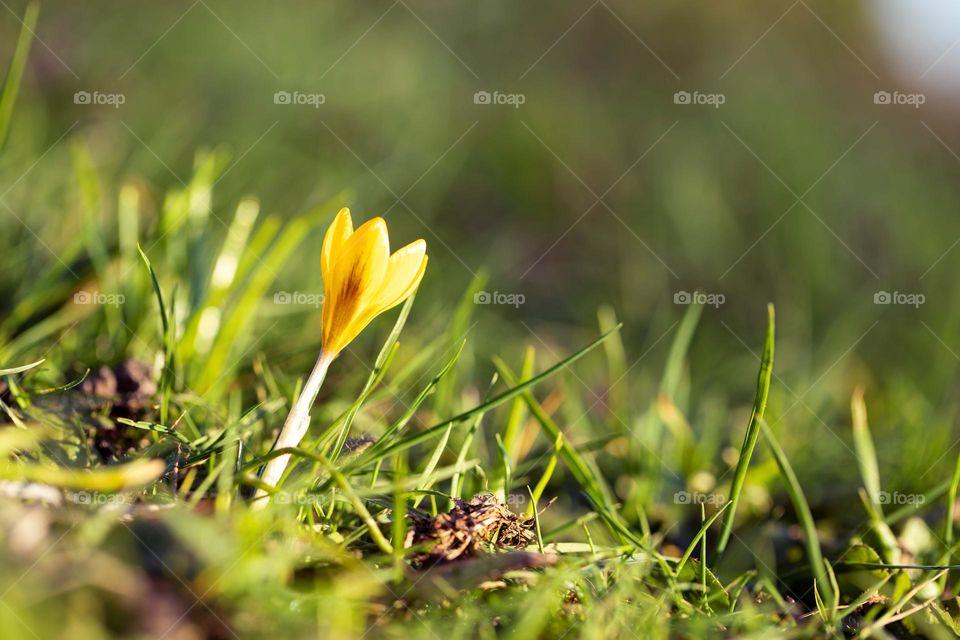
x=894 y=612
x=323 y=440
x=517 y=413
x=43 y=292
x=456 y=482
x=378 y=371
x=243 y=312
x=866 y=453
x=225 y=483
x=547 y=473
x=201 y=330
x=456 y=329
x=619 y=389
x=835 y=589
x=22 y=368
x=703 y=557
x=536 y=519
x=884 y=534
x=91 y=200
x=504 y=468
x=821 y=606
x=700 y=534
x=591 y=482
x=11 y=86
x=948 y=518
x=404 y=419
x=128 y=221
x=422 y=436
x=399 y=526
x=951 y=504
x=812 y=542
x=866 y=595
x=679 y=349
x=429 y=476
x=753 y=432
x=358 y=506
x=410 y=486
x=167 y=328
x=108 y=478
x=648 y=451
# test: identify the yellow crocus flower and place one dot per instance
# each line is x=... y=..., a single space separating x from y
x=361 y=280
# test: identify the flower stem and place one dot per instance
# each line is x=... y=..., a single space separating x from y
x=296 y=424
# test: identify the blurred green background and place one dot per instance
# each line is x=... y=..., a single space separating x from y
x=602 y=188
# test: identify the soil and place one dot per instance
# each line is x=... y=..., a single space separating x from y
x=467 y=530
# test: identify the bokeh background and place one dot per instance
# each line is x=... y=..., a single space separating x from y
x=587 y=182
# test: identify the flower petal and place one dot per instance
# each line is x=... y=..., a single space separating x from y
x=357 y=274
x=337 y=233
x=404 y=271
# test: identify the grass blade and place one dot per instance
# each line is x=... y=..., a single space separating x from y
x=595 y=487
x=107 y=479
x=700 y=534
x=457 y=328
x=517 y=414
x=242 y=314
x=814 y=555
x=21 y=369
x=167 y=377
x=398 y=530
x=377 y=373
x=547 y=473
x=205 y=323
x=11 y=86
x=617 y=368
x=951 y=503
x=753 y=431
x=669 y=382
x=358 y=506
x=456 y=482
x=678 y=350
x=863 y=442
x=536 y=519
x=427 y=434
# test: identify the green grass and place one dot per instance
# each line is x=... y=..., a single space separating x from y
x=328 y=553
x=655 y=513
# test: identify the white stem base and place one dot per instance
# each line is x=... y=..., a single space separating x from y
x=295 y=426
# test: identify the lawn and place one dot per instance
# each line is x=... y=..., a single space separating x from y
x=395 y=321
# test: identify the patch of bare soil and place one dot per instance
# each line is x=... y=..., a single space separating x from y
x=124 y=391
x=467 y=530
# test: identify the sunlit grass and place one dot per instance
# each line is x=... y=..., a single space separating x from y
x=654 y=509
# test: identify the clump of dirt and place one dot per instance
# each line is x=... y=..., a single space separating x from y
x=129 y=388
x=124 y=391
x=467 y=529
